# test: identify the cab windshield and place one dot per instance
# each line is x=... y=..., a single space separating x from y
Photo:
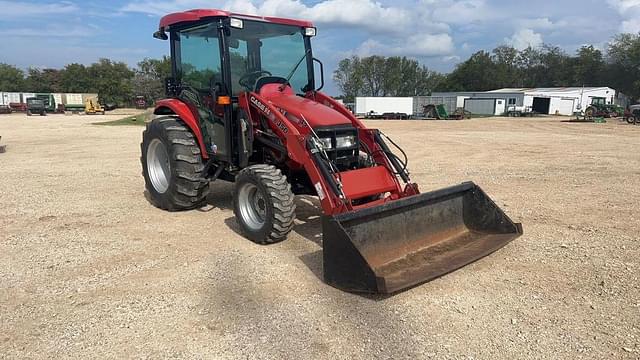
x=266 y=49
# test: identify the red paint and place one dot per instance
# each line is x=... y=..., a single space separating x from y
x=294 y=141
x=332 y=103
x=268 y=90
x=199 y=14
x=183 y=111
x=316 y=114
x=361 y=183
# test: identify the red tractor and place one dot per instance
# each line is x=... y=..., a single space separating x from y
x=244 y=105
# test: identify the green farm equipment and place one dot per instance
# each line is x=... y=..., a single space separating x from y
x=439 y=112
x=36 y=106
x=600 y=108
x=49 y=102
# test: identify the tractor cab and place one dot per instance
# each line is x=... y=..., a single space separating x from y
x=219 y=60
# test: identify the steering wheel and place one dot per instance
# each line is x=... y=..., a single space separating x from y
x=254 y=75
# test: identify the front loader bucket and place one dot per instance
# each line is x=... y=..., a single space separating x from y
x=402 y=243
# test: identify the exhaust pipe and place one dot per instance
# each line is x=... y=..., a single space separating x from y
x=403 y=243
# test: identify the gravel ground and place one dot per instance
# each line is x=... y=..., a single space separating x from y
x=89 y=269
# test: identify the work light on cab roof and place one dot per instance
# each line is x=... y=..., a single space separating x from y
x=244 y=104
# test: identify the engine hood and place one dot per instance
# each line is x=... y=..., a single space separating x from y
x=316 y=114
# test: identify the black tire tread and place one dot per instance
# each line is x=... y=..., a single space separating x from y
x=282 y=200
x=190 y=188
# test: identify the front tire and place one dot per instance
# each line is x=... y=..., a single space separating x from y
x=172 y=165
x=263 y=204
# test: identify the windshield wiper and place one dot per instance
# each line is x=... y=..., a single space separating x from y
x=294 y=71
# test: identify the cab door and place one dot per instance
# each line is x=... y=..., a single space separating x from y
x=198 y=67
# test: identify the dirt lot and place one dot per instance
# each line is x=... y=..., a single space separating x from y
x=89 y=269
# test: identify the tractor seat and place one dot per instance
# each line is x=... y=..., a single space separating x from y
x=262 y=81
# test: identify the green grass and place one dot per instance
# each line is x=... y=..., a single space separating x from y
x=134 y=120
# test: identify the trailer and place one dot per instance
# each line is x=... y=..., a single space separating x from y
x=11 y=97
x=376 y=107
x=73 y=103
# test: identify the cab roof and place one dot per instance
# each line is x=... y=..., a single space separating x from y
x=199 y=14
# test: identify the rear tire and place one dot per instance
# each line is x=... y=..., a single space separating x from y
x=172 y=165
x=263 y=204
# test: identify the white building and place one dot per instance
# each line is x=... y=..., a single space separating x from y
x=560 y=101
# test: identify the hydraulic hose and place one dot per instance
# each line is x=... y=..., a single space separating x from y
x=393 y=159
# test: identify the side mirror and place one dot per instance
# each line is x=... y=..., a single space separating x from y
x=321 y=73
x=214 y=87
x=161 y=35
x=217 y=95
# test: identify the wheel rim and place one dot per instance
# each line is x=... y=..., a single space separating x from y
x=252 y=206
x=158 y=166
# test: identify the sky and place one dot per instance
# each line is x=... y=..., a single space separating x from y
x=438 y=33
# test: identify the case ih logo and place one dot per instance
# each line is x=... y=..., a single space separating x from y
x=260 y=106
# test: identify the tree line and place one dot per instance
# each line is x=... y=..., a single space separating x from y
x=618 y=66
x=115 y=82
x=546 y=66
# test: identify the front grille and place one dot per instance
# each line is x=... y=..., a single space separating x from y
x=343 y=158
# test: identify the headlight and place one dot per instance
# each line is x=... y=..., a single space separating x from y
x=326 y=143
x=345 y=141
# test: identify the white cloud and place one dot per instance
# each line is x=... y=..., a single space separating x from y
x=623 y=5
x=19 y=9
x=404 y=32
x=419 y=45
x=629 y=10
x=360 y=13
x=461 y=12
x=537 y=23
x=524 y=38
x=631 y=26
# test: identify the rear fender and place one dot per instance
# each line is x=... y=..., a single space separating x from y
x=182 y=110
